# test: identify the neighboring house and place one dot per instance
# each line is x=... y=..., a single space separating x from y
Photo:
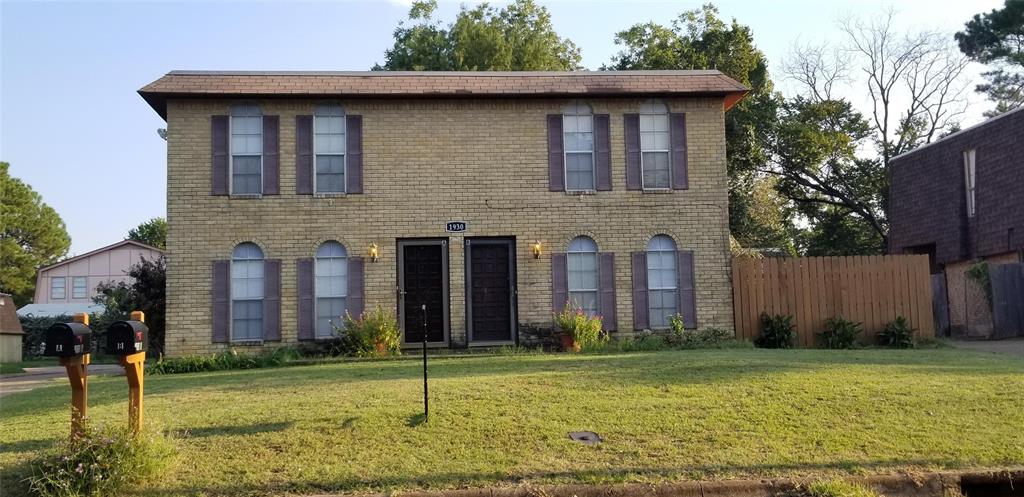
x=489 y=198
x=960 y=200
x=69 y=285
x=11 y=333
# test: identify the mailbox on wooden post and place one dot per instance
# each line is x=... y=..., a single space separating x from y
x=129 y=340
x=71 y=342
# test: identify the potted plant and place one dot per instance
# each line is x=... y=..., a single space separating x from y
x=578 y=329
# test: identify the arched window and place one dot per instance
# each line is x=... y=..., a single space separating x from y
x=654 y=145
x=247 y=292
x=331 y=273
x=581 y=259
x=246 y=149
x=329 y=144
x=578 y=141
x=662 y=281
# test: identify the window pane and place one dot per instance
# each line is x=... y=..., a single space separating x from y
x=579 y=142
x=582 y=271
x=247 y=279
x=330 y=144
x=328 y=311
x=330 y=173
x=585 y=300
x=656 y=170
x=79 y=287
x=247 y=319
x=246 y=174
x=580 y=171
x=57 y=288
x=661 y=305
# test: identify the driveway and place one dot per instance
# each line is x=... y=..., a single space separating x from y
x=50 y=375
x=1009 y=346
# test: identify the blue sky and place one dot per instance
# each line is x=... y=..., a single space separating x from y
x=72 y=126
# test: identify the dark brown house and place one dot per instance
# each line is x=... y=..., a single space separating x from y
x=961 y=201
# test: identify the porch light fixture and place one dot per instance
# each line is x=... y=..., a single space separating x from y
x=536 y=249
x=373 y=252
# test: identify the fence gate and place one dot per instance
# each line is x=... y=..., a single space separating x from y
x=1007 y=299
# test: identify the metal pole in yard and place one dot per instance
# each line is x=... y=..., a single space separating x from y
x=426 y=410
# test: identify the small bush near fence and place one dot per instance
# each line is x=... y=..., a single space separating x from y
x=777 y=331
x=103 y=461
x=897 y=334
x=35 y=333
x=839 y=333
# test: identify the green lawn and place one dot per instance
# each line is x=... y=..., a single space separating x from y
x=504 y=419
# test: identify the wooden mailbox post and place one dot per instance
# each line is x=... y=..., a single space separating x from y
x=77 y=368
x=134 y=366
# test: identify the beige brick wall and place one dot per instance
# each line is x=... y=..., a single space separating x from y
x=427 y=162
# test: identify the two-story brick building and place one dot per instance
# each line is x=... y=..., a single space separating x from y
x=490 y=198
x=960 y=200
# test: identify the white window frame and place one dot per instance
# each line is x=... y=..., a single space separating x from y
x=675 y=280
x=570 y=252
x=317 y=296
x=63 y=288
x=648 y=109
x=231 y=293
x=970 y=181
x=231 y=151
x=344 y=155
x=85 y=287
x=574 y=109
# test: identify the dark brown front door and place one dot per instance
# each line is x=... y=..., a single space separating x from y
x=423 y=281
x=491 y=290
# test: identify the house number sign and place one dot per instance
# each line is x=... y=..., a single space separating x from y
x=455 y=227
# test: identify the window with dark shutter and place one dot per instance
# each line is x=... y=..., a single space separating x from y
x=356 y=301
x=354 y=166
x=559 y=282
x=556 y=155
x=271 y=155
x=219 y=144
x=640 y=321
x=631 y=125
x=304 y=270
x=607 y=286
x=602 y=152
x=304 y=155
x=221 y=293
x=272 y=300
x=687 y=289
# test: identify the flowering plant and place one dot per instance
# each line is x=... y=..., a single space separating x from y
x=373 y=334
x=584 y=329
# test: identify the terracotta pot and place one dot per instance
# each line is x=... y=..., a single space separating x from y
x=568 y=343
x=382 y=349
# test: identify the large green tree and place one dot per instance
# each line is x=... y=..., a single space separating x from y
x=518 y=37
x=700 y=39
x=997 y=38
x=32 y=234
x=152 y=232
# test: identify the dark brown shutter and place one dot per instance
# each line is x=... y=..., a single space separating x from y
x=607 y=290
x=272 y=300
x=219 y=142
x=304 y=155
x=306 y=318
x=631 y=125
x=687 y=290
x=271 y=155
x=640 y=318
x=556 y=155
x=354 y=154
x=221 y=290
x=603 y=152
x=559 y=282
x=677 y=133
x=355 y=302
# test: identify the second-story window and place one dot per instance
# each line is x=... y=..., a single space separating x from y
x=969 y=180
x=654 y=146
x=246 y=149
x=329 y=145
x=578 y=129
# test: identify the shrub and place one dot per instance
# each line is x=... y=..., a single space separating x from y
x=897 y=334
x=373 y=334
x=681 y=338
x=585 y=330
x=223 y=361
x=35 y=333
x=839 y=333
x=103 y=461
x=777 y=332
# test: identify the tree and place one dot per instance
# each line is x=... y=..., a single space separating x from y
x=699 y=39
x=519 y=37
x=145 y=291
x=32 y=234
x=997 y=38
x=152 y=232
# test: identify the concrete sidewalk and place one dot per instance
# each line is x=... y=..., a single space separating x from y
x=40 y=377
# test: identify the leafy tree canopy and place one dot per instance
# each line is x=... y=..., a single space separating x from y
x=32 y=234
x=152 y=232
x=518 y=37
x=145 y=291
x=997 y=38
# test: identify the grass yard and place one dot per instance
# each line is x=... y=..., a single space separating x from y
x=499 y=420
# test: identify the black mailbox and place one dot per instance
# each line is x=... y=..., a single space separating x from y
x=127 y=337
x=68 y=340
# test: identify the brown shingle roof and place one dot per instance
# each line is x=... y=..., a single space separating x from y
x=378 y=84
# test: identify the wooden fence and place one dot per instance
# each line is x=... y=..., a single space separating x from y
x=872 y=290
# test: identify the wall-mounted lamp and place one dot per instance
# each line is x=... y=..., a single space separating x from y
x=373 y=252
x=536 y=249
